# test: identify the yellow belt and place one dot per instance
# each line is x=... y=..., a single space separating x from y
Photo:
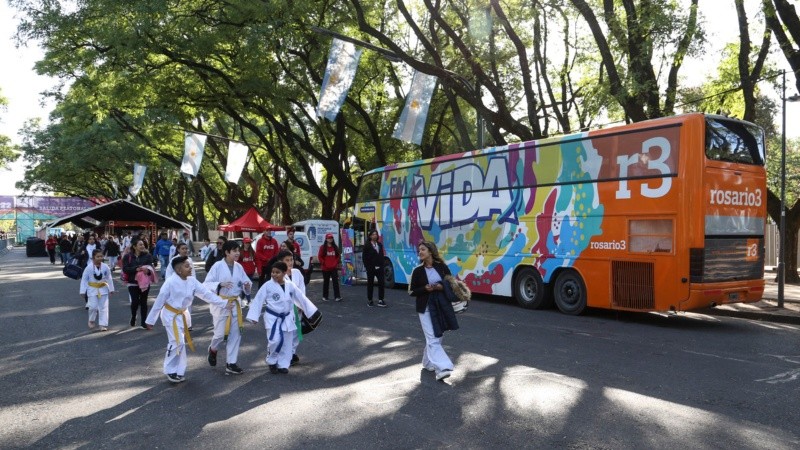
x=179 y=312
x=234 y=299
x=98 y=285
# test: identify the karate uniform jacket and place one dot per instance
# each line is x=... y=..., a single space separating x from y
x=279 y=300
x=89 y=276
x=179 y=293
x=220 y=273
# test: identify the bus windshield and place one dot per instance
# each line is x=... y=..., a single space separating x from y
x=734 y=141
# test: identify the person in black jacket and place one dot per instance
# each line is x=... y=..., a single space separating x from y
x=436 y=314
x=373 y=262
x=136 y=261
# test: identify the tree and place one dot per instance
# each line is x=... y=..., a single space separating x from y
x=8 y=152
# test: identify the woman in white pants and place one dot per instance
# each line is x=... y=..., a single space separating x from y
x=436 y=314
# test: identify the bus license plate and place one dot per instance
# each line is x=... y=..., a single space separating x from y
x=733 y=297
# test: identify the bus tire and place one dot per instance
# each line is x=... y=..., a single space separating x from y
x=529 y=290
x=569 y=293
x=388 y=274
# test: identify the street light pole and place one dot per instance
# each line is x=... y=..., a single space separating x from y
x=394 y=57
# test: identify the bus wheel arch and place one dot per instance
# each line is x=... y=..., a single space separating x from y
x=529 y=289
x=388 y=274
x=569 y=292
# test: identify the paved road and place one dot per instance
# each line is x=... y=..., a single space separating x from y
x=524 y=379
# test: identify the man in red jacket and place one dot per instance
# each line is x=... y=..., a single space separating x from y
x=266 y=248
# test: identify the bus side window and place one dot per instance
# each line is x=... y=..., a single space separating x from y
x=651 y=236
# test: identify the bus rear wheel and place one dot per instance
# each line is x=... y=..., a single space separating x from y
x=388 y=274
x=529 y=290
x=570 y=293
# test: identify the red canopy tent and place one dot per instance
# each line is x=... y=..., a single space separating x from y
x=250 y=221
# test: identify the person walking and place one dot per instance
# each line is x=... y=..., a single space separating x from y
x=50 y=244
x=328 y=256
x=215 y=254
x=79 y=251
x=97 y=285
x=266 y=249
x=112 y=252
x=139 y=260
x=374 y=263
x=66 y=248
x=436 y=314
x=161 y=251
x=247 y=258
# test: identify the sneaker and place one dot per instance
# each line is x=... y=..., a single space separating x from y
x=174 y=378
x=182 y=378
x=324 y=299
x=144 y=327
x=273 y=368
x=429 y=368
x=338 y=299
x=382 y=304
x=283 y=371
x=103 y=329
x=212 y=357
x=443 y=374
x=234 y=369
x=370 y=304
x=295 y=360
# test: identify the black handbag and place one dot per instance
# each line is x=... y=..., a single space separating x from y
x=309 y=324
x=73 y=270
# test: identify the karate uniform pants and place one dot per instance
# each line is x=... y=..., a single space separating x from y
x=175 y=360
x=98 y=309
x=283 y=358
x=434 y=354
x=234 y=338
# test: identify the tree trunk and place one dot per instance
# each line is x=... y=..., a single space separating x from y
x=790 y=265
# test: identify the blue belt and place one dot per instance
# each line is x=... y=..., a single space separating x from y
x=277 y=324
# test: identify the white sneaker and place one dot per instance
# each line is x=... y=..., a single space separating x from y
x=429 y=368
x=443 y=374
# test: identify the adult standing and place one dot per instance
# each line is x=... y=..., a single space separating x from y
x=66 y=248
x=328 y=256
x=436 y=314
x=79 y=250
x=215 y=254
x=50 y=244
x=112 y=252
x=188 y=241
x=373 y=262
x=266 y=249
x=139 y=260
x=161 y=251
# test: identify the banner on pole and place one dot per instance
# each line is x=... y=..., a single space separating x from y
x=412 y=120
x=237 y=156
x=339 y=74
x=193 y=147
x=138 y=178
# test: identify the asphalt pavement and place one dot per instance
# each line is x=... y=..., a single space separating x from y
x=523 y=379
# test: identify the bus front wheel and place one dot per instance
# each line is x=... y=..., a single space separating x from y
x=529 y=290
x=388 y=275
x=570 y=293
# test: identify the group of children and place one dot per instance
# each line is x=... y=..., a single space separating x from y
x=225 y=287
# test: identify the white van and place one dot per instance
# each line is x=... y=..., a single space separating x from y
x=316 y=229
x=301 y=238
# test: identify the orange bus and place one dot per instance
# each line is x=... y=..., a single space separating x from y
x=662 y=215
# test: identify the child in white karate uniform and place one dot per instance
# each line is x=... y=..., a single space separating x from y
x=175 y=295
x=228 y=278
x=182 y=250
x=279 y=318
x=97 y=285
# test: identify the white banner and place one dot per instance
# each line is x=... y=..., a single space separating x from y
x=138 y=178
x=193 y=147
x=237 y=156
x=339 y=74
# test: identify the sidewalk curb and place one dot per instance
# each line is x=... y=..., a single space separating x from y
x=753 y=315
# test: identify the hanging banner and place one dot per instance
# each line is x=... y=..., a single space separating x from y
x=138 y=178
x=339 y=74
x=412 y=120
x=193 y=146
x=348 y=272
x=237 y=156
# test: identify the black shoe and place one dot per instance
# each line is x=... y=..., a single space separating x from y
x=174 y=378
x=133 y=321
x=283 y=371
x=144 y=327
x=212 y=357
x=295 y=360
x=273 y=368
x=234 y=369
x=370 y=304
x=382 y=304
